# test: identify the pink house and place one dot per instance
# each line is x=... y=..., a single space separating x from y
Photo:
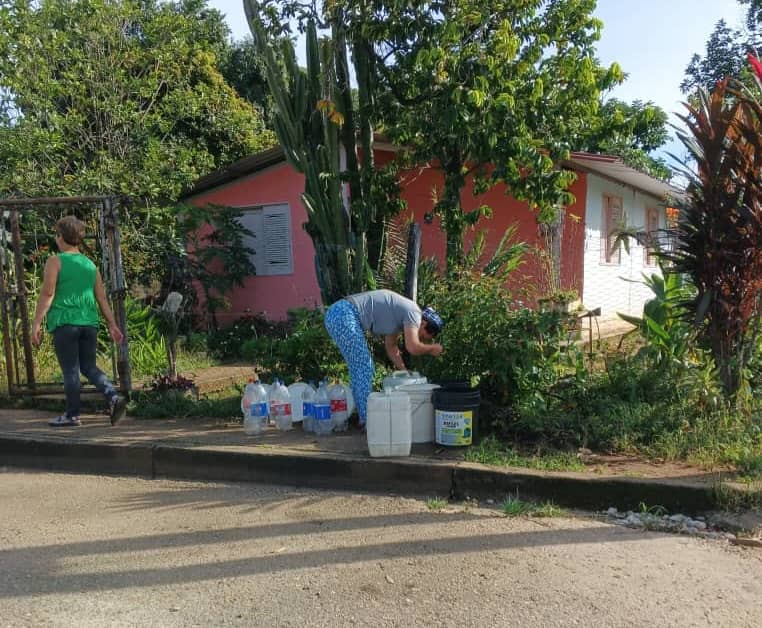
x=608 y=195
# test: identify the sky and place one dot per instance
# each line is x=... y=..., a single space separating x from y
x=652 y=40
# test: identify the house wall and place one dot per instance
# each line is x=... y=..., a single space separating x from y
x=271 y=295
x=417 y=189
x=606 y=285
x=275 y=295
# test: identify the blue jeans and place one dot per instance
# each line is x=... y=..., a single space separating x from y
x=343 y=324
x=76 y=349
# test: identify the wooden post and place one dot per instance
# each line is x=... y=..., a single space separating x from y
x=112 y=254
x=21 y=289
x=4 y=296
x=413 y=257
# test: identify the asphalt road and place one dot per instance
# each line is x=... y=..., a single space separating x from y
x=81 y=551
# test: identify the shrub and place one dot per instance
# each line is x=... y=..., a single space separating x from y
x=306 y=352
x=511 y=353
x=227 y=343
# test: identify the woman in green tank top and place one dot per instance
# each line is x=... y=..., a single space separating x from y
x=72 y=291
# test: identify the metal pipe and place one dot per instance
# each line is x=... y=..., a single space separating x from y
x=411 y=265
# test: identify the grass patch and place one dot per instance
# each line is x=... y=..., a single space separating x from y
x=749 y=467
x=515 y=507
x=225 y=404
x=548 y=509
x=436 y=503
x=493 y=452
x=732 y=498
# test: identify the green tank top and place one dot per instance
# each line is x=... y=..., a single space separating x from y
x=74 y=301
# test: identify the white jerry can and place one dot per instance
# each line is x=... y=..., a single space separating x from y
x=389 y=426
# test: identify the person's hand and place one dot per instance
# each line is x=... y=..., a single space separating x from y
x=116 y=334
x=37 y=334
x=436 y=349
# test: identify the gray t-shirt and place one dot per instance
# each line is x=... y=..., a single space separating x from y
x=384 y=312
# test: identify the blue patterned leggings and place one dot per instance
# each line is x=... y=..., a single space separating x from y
x=343 y=324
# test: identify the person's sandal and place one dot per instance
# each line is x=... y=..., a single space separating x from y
x=117 y=409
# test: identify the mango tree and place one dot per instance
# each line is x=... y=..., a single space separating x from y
x=497 y=89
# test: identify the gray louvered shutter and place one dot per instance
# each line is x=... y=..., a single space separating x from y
x=276 y=241
x=251 y=219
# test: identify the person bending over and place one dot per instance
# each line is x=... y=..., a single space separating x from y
x=383 y=313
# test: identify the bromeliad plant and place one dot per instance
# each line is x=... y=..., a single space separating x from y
x=720 y=229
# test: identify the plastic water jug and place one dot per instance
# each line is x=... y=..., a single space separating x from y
x=322 y=412
x=389 y=426
x=270 y=396
x=339 y=415
x=254 y=407
x=308 y=399
x=280 y=407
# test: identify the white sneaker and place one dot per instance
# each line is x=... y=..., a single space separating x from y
x=65 y=421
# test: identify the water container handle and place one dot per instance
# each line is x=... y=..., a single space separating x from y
x=402 y=373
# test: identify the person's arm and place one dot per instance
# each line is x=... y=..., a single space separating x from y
x=416 y=347
x=391 y=344
x=100 y=296
x=47 y=293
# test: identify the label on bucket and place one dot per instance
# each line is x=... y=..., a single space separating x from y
x=454 y=428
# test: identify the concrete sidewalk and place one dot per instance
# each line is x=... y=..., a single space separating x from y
x=213 y=450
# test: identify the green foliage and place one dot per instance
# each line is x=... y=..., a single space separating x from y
x=160 y=405
x=120 y=97
x=228 y=343
x=436 y=503
x=491 y=451
x=148 y=351
x=323 y=130
x=218 y=258
x=663 y=325
x=515 y=507
x=631 y=406
x=242 y=67
x=720 y=227
x=631 y=131
x=504 y=83
x=305 y=353
x=725 y=55
x=115 y=96
x=510 y=352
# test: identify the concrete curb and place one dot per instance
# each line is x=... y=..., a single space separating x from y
x=418 y=477
x=77 y=456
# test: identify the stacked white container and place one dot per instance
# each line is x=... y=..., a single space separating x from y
x=389 y=425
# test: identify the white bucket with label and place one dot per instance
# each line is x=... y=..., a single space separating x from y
x=421 y=410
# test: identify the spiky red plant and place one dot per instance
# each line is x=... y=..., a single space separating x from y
x=719 y=238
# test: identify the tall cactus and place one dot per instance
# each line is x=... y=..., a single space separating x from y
x=315 y=122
